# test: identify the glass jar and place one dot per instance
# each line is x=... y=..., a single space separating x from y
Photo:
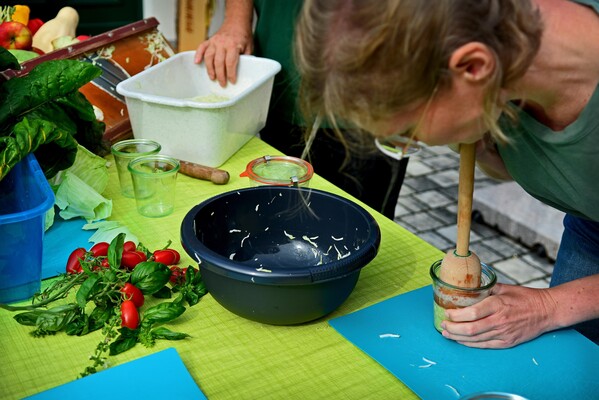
x=447 y=296
x=279 y=171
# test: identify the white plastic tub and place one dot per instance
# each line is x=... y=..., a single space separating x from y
x=195 y=119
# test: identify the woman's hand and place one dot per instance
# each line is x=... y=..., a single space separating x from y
x=510 y=316
x=221 y=52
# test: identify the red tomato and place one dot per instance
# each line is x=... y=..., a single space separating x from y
x=177 y=276
x=129 y=246
x=100 y=249
x=74 y=263
x=131 y=258
x=131 y=292
x=105 y=263
x=34 y=24
x=129 y=315
x=167 y=256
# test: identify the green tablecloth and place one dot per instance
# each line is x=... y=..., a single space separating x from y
x=230 y=357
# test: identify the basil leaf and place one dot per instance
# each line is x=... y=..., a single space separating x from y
x=150 y=276
x=115 y=250
x=164 y=333
x=122 y=344
x=163 y=312
x=99 y=317
x=164 y=293
x=55 y=319
x=86 y=290
x=27 y=318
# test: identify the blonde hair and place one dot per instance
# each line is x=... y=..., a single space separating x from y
x=365 y=60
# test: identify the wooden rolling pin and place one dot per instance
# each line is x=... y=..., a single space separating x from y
x=217 y=176
x=461 y=267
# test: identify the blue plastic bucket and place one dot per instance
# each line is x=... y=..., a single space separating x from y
x=25 y=197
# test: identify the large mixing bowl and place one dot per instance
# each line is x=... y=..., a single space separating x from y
x=280 y=255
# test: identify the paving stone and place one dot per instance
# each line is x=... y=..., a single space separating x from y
x=485 y=253
x=408 y=227
x=405 y=191
x=433 y=199
x=444 y=215
x=445 y=178
x=418 y=168
x=436 y=240
x=520 y=216
x=439 y=150
x=420 y=183
x=483 y=230
x=442 y=162
x=412 y=204
x=505 y=246
x=541 y=263
x=422 y=221
x=451 y=233
x=400 y=211
x=518 y=270
x=451 y=192
x=502 y=278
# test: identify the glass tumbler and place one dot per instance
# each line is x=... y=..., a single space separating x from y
x=154 y=178
x=447 y=296
x=124 y=152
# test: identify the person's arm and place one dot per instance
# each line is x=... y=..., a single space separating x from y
x=517 y=314
x=221 y=52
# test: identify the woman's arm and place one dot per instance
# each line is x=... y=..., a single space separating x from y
x=221 y=52
x=517 y=314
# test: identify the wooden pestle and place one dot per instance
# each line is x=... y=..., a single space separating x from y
x=461 y=267
x=217 y=176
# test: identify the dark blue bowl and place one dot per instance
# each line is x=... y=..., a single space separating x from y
x=280 y=255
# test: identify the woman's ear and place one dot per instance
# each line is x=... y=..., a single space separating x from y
x=473 y=61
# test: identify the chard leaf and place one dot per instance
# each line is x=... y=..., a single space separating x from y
x=46 y=82
x=44 y=112
x=7 y=60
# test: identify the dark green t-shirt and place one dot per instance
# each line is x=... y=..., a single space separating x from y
x=560 y=169
x=273 y=38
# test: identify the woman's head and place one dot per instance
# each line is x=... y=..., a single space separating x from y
x=367 y=61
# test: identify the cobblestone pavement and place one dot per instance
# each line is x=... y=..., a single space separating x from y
x=427 y=207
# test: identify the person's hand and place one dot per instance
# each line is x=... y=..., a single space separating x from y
x=510 y=316
x=221 y=52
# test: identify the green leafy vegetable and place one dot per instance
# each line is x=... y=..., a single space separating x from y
x=44 y=112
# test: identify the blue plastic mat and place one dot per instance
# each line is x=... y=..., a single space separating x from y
x=399 y=334
x=60 y=240
x=161 y=375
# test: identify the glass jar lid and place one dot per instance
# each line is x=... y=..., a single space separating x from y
x=279 y=170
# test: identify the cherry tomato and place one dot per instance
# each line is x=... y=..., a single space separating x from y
x=73 y=263
x=100 y=249
x=167 y=256
x=177 y=275
x=131 y=258
x=105 y=263
x=129 y=315
x=131 y=292
x=129 y=246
